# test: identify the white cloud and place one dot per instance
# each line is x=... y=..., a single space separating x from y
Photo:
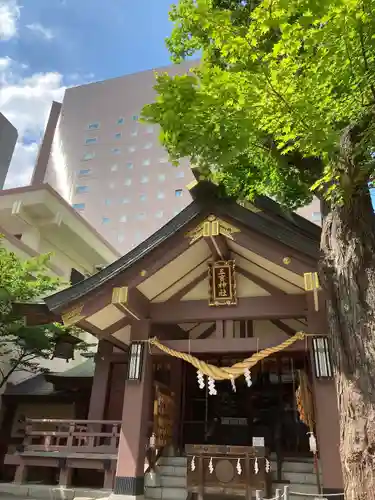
x=38 y=29
x=26 y=102
x=9 y=16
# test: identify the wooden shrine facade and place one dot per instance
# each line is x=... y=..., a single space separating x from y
x=219 y=278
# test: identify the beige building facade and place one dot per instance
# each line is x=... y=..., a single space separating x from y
x=37 y=220
x=109 y=166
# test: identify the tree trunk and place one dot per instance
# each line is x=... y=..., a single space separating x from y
x=347 y=271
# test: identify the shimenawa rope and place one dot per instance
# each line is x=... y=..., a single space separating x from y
x=228 y=372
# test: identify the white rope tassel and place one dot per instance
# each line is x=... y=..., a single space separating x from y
x=268 y=465
x=211 y=387
x=200 y=378
x=192 y=464
x=247 y=376
x=238 y=467
x=233 y=382
x=312 y=443
x=210 y=466
x=256 y=466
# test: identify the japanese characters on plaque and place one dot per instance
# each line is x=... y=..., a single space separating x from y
x=222 y=283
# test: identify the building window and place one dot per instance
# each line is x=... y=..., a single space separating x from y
x=141 y=216
x=120 y=238
x=131 y=149
x=82 y=189
x=316 y=216
x=84 y=171
x=114 y=168
x=159 y=214
x=127 y=182
x=161 y=195
x=118 y=135
x=125 y=201
x=178 y=193
x=129 y=165
x=142 y=197
x=93 y=126
x=105 y=220
x=161 y=177
x=79 y=206
x=163 y=160
x=120 y=121
x=150 y=129
x=134 y=133
x=180 y=174
x=116 y=151
x=107 y=202
x=88 y=156
x=148 y=145
x=123 y=218
x=135 y=118
x=146 y=163
x=144 y=179
x=91 y=140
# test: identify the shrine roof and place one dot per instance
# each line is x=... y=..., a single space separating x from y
x=263 y=216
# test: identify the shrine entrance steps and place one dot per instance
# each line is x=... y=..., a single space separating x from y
x=299 y=474
x=172 y=473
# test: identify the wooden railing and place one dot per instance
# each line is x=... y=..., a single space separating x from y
x=71 y=436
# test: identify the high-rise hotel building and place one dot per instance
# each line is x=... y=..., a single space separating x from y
x=110 y=167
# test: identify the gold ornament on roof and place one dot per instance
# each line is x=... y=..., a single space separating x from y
x=72 y=316
x=212 y=226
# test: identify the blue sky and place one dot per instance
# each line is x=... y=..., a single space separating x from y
x=107 y=39
x=47 y=45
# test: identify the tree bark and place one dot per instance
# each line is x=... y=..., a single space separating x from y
x=347 y=272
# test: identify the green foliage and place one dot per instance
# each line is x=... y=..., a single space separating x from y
x=23 y=346
x=279 y=83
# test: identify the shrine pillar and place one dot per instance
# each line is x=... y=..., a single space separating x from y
x=326 y=411
x=177 y=374
x=129 y=479
x=99 y=388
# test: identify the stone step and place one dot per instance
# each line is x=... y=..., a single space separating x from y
x=174 y=461
x=166 y=493
x=307 y=467
x=300 y=477
x=170 y=470
x=173 y=481
x=303 y=488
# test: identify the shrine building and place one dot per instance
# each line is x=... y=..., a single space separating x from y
x=213 y=373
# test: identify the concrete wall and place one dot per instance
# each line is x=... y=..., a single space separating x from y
x=8 y=139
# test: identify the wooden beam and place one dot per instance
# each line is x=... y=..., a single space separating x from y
x=283 y=327
x=276 y=252
x=97 y=332
x=131 y=301
x=208 y=332
x=186 y=289
x=285 y=306
x=264 y=269
x=218 y=247
x=168 y=331
x=273 y=290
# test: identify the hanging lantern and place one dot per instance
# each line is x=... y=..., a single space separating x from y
x=322 y=357
x=64 y=347
x=135 y=361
